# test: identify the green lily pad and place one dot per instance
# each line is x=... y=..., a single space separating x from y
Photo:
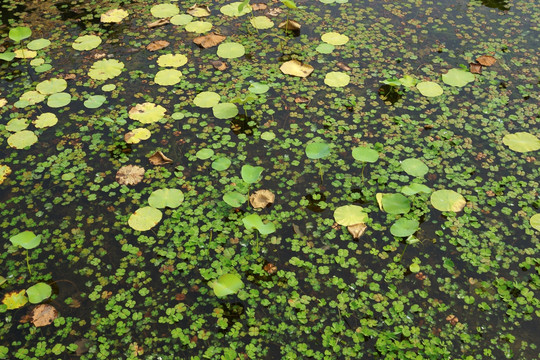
x=164 y=10
x=535 y=221
x=22 y=139
x=26 y=239
x=447 y=200
x=39 y=292
x=59 y=100
x=404 y=227
x=261 y=22
x=457 y=77
x=38 y=44
x=230 y=50
x=221 y=164
x=168 y=77
x=32 y=97
x=234 y=198
x=51 y=86
x=204 y=154
x=395 y=204
x=251 y=174
x=317 y=150
x=181 y=20
x=232 y=9
x=414 y=268
x=325 y=48
x=145 y=218
x=207 y=99
x=429 y=88
x=258 y=88
x=415 y=188
x=7 y=56
x=95 y=101
x=106 y=69
x=226 y=284
x=337 y=79
x=172 y=60
x=43 y=68
x=521 y=142
x=147 y=113
x=86 y=42
x=198 y=27
x=19 y=33
x=348 y=215
x=334 y=38
x=414 y=167
x=162 y=198
x=255 y=221
x=225 y=110
x=15 y=125
x=108 y=87
x=268 y=135
x=365 y=154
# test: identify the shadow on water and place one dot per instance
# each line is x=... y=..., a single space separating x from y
x=497 y=4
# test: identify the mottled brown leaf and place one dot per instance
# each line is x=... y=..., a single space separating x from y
x=209 y=40
x=158 y=158
x=43 y=315
x=130 y=175
x=475 y=68
x=157 y=45
x=256 y=7
x=357 y=230
x=261 y=199
x=486 y=60
x=219 y=65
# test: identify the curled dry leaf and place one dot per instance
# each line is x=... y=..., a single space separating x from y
x=157 y=45
x=209 y=40
x=130 y=175
x=261 y=199
x=198 y=10
x=256 y=7
x=486 y=60
x=158 y=158
x=475 y=68
x=453 y=319
x=301 y=100
x=158 y=22
x=343 y=66
x=290 y=25
x=43 y=315
x=357 y=230
x=274 y=12
x=219 y=65
x=69 y=76
x=296 y=68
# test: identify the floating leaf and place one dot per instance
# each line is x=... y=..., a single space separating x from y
x=337 y=79
x=15 y=300
x=207 y=99
x=414 y=167
x=334 y=38
x=365 y=154
x=290 y=25
x=296 y=68
x=357 y=230
x=429 y=88
x=415 y=188
x=261 y=22
x=164 y=10
x=25 y=54
x=26 y=239
x=395 y=204
x=251 y=174
x=39 y=292
x=94 y=101
x=86 y=42
x=198 y=27
x=159 y=158
x=255 y=221
x=15 y=125
x=51 y=86
x=232 y=9
x=181 y=20
x=325 y=48
x=447 y=200
x=7 y=56
x=234 y=198
x=258 y=88
x=226 y=284
x=168 y=77
x=147 y=113
x=268 y=135
x=350 y=215
x=199 y=10
x=408 y=81
x=221 y=164
x=166 y=198
x=19 y=33
x=114 y=16
x=145 y=218
x=105 y=69
x=457 y=77
x=414 y=268
x=535 y=221
x=521 y=142
x=317 y=150
x=486 y=60
x=22 y=139
x=261 y=199
x=157 y=45
x=204 y=154
x=130 y=175
x=225 y=110
x=136 y=135
x=108 y=87
x=231 y=50
x=404 y=227
x=38 y=44
x=172 y=60
x=4 y=172
x=32 y=97
x=59 y=100
x=43 y=315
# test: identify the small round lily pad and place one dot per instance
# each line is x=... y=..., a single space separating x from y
x=145 y=218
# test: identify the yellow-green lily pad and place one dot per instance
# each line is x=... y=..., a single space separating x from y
x=22 y=139
x=145 y=218
x=172 y=60
x=168 y=77
x=521 y=142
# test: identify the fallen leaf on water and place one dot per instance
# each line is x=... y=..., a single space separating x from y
x=357 y=230
x=157 y=45
x=274 y=12
x=256 y=7
x=159 y=22
x=301 y=100
x=4 y=172
x=486 y=60
x=209 y=40
x=261 y=199
x=15 y=299
x=219 y=65
x=158 y=158
x=343 y=66
x=199 y=10
x=69 y=76
x=270 y=268
x=290 y=25
x=3 y=102
x=475 y=68
x=296 y=68
x=130 y=175
x=43 y=315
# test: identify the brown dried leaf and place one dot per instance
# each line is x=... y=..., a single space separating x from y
x=256 y=7
x=290 y=25
x=158 y=158
x=274 y=12
x=199 y=10
x=43 y=315
x=261 y=199
x=301 y=100
x=209 y=40
x=357 y=230
x=270 y=268
x=475 y=68
x=159 y=22
x=157 y=45
x=69 y=76
x=343 y=66
x=130 y=175
x=486 y=60
x=83 y=345
x=98 y=56
x=296 y=68
x=219 y=65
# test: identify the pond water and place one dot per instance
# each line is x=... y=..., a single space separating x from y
x=417 y=127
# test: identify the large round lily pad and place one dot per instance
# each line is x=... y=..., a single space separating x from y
x=51 y=86
x=350 y=215
x=404 y=227
x=447 y=200
x=365 y=154
x=395 y=203
x=39 y=292
x=251 y=174
x=86 y=42
x=230 y=50
x=22 y=139
x=334 y=38
x=337 y=79
x=166 y=198
x=172 y=60
x=147 y=113
x=457 y=77
x=145 y=218
x=164 y=10
x=535 y=221
x=106 y=69
x=26 y=239
x=168 y=77
x=225 y=110
x=521 y=142
x=414 y=167
x=429 y=88
x=59 y=100
x=207 y=99
x=227 y=284
x=261 y=22
x=198 y=27
x=317 y=150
